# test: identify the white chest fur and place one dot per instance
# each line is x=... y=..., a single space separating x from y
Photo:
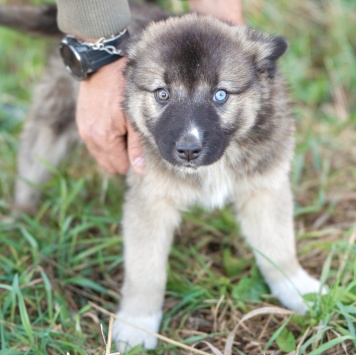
x=217 y=187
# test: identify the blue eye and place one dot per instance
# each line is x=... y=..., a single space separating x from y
x=220 y=96
x=162 y=95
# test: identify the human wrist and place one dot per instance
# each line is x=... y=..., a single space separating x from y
x=108 y=72
x=82 y=58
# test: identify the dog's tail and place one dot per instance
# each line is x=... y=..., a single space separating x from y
x=38 y=20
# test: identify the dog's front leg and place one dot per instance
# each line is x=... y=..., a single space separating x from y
x=266 y=216
x=148 y=228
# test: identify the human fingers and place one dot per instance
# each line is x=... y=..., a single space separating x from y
x=111 y=154
x=134 y=149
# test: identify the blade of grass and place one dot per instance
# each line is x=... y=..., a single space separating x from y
x=25 y=320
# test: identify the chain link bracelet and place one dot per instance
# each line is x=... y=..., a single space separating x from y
x=101 y=45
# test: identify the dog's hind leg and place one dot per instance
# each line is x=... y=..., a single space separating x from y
x=48 y=135
x=266 y=215
x=40 y=149
x=148 y=227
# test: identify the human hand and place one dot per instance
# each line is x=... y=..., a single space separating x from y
x=227 y=10
x=102 y=124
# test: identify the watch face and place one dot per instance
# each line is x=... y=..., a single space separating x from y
x=72 y=61
x=82 y=59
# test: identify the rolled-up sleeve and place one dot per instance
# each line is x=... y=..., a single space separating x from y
x=93 y=18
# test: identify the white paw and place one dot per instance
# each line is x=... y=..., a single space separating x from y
x=127 y=337
x=289 y=291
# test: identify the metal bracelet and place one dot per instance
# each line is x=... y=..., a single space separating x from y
x=100 y=44
x=101 y=47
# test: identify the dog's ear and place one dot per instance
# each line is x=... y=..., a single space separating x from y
x=128 y=47
x=265 y=50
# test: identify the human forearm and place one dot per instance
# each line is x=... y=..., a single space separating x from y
x=93 y=18
x=227 y=10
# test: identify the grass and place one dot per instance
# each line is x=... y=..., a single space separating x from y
x=70 y=253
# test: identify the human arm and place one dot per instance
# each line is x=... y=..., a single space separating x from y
x=100 y=119
x=93 y=18
x=227 y=10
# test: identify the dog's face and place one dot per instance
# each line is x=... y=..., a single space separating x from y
x=195 y=83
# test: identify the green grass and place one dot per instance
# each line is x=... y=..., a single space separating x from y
x=70 y=252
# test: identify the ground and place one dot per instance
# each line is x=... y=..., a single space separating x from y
x=70 y=253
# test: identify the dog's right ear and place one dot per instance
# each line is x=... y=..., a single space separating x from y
x=265 y=49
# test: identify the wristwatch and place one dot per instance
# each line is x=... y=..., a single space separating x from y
x=84 y=58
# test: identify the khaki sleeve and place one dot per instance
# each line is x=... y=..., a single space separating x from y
x=93 y=18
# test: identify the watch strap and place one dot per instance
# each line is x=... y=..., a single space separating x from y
x=105 y=51
x=109 y=45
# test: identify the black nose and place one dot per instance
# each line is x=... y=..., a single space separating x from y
x=189 y=151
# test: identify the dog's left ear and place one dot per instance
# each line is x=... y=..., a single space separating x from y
x=265 y=50
x=128 y=47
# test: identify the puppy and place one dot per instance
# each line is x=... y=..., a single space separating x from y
x=216 y=127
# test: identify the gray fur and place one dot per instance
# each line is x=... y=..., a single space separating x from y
x=48 y=135
x=249 y=166
x=251 y=170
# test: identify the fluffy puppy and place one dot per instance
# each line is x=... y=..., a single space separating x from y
x=216 y=127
